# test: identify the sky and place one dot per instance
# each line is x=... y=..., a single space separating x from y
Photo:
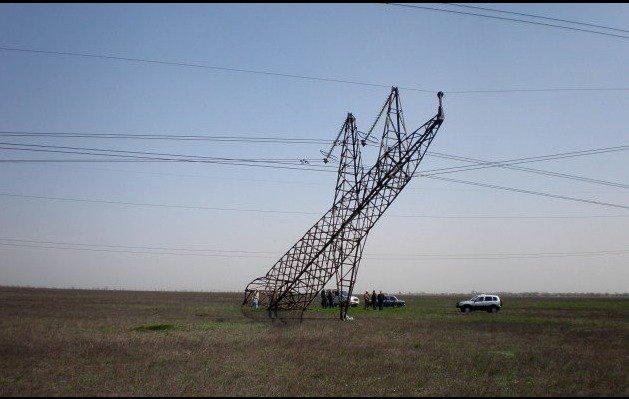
x=213 y=227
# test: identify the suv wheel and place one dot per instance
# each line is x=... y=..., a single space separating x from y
x=494 y=309
x=465 y=309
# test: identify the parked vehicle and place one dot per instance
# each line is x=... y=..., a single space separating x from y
x=392 y=301
x=353 y=300
x=488 y=302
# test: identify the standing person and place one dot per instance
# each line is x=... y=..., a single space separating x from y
x=380 y=300
x=373 y=299
x=256 y=299
x=272 y=310
x=330 y=300
x=324 y=300
x=366 y=299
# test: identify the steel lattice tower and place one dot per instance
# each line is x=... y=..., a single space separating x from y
x=333 y=246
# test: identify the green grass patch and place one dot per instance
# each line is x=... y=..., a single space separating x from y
x=154 y=327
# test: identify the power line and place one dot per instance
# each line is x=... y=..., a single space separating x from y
x=432 y=175
x=535 y=16
x=274 y=164
x=518 y=190
x=531 y=170
x=135 y=252
x=135 y=247
x=507 y=19
x=438 y=155
x=84 y=200
x=313 y=78
x=499 y=256
x=252 y=162
x=564 y=155
x=23 y=161
x=218 y=68
x=239 y=139
x=106 y=152
x=459 y=217
x=478 y=164
x=554 y=89
x=154 y=205
x=239 y=254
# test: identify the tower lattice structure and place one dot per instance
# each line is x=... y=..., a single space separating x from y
x=333 y=246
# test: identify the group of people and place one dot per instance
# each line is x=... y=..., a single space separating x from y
x=374 y=299
x=327 y=299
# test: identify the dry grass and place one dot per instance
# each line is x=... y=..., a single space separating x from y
x=75 y=342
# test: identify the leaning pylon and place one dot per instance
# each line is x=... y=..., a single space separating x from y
x=334 y=245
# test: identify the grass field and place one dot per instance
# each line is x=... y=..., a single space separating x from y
x=79 y=342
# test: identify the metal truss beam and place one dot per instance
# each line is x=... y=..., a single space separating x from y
x=333 y=247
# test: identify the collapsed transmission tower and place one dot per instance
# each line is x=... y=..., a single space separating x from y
x=333 y=247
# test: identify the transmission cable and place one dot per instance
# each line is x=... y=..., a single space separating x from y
x=518 y=190
x=477 y=164
x=535 y=16
x=265 y=163
x=276 y=74
x=240 y=139
x=480 y=163
x=506 y=19
x=258 y=254
x=489 y=164
x=431 y=174
x=125 y=152
x=509 y=165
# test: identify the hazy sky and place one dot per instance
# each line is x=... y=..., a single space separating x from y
x=438 y=236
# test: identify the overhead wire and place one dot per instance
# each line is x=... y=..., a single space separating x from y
x=414 y=6
x=564 y=155
x=535 y=16
x=430 y=174
x=239 y=139
x=285 y=75
x=154 y=205
x=272 y=211
x=125 y=153
x=476 y=163
x=260 y=254
x=519 y=190
x=126 y=156
x=186 y=64
x=510 y=165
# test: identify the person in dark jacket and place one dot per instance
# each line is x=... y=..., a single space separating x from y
x=330 y=300
x=324 y=300
x=373 y=300
x=380 y=300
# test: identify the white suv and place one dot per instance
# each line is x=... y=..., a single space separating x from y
x=488 y=302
